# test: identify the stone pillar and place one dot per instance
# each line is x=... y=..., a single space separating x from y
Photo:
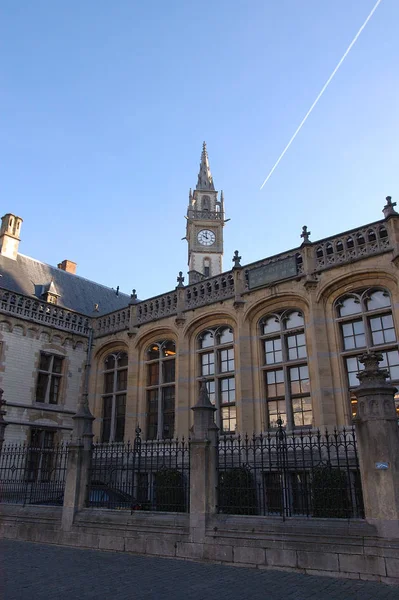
x=203 y=465
x=79 y=462
x=377 y=434
x=3 y=422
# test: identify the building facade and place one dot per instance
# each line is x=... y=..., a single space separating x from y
x=278 y=338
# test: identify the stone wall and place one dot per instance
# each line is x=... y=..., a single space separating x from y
x=331 y=548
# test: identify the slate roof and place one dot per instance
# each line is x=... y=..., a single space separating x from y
x=31 y=277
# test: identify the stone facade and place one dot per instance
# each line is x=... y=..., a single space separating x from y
x=279 y=337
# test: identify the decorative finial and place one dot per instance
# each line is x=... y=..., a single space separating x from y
x=204 y=147
x=236 y=260
x=180 y=280
x=305 y=235
x=133 y=297
x=372 y=372
x=389 y=208
x=117 y=290
x=96 y=307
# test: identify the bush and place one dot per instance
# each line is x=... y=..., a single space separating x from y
x=237 y=492
x=170 y=491
x=330 y=493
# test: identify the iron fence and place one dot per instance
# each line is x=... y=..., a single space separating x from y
x=31 y=474
x=143 y=475
x=305 y=474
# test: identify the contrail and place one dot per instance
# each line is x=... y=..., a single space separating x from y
x=325 y=86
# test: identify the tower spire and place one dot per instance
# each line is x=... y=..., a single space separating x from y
x=205 y=181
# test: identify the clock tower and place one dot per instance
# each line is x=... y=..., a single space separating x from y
x=205 y=221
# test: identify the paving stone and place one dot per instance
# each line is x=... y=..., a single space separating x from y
x=33 y=571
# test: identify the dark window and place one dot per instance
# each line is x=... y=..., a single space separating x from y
x=114 y=397
x=48 y=384
x=160 y=389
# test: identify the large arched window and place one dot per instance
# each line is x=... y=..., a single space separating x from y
x=285 y=368
x=114 y=397
x=366 y=324
x=160 y=389
x=216 y=358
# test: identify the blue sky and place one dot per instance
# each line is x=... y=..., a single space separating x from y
x=104 y=107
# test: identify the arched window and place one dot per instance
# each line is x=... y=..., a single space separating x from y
x=285 y=368
x=114 y=397
x=160 y=389
x=206 y=202
x=366 y=324
x=216 y=359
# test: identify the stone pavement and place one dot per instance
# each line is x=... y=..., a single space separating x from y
x=31 y=571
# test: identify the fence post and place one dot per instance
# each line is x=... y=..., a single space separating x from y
x=79 y=461
x=203 y=464
x=3 y=422
x=377 y=435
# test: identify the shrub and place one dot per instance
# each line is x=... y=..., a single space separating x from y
x=330 y=493
x=237 y=492
x=170 y=490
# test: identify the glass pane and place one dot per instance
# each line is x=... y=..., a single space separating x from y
x=45 y=362
x=109 y=362
x=153 y=373
x=349 y=306
x=207 y=363
x=206 y=340
x=211 y=391
x=153 y=352
x=169 y=348
x=275 y=410
x=41 y=387
x=270 y=325
x=121 y=380
x=168 y=371
x=273 y=353
x=294 y=319
x=57 y=364
x=108 y=383
x=226 y=336
x=152 y=401
x=228 y=417
x=226 y=360
x=122 y=360
x=378 y=299
x=120 y=418
x=168 y=398
x=227 y=389
x=54 y=389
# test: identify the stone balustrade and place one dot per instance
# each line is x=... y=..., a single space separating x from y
x=113 y=322
x=333 y=251
x=352 y=245
x=156 y=308
x=205 y=214
x=43 y=312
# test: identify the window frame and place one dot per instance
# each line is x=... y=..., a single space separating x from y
x=218 y=376
x=110 y=399
x=365 y=315
x=286 y=365
x=163 y=416
x=51 y=377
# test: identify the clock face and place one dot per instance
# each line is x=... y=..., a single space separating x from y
x=206 y=237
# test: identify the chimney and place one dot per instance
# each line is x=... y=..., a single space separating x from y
x=68 y=266
x=9 y=235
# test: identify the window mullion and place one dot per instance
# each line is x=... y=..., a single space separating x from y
x=48 y=386
x=159 y=406
x=367 y=331
x=287 y=391
x=113 y=411
x=217 y=384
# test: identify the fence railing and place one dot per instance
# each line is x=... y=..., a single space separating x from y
x=33 y=475
x=141 y=476
x=305 y=474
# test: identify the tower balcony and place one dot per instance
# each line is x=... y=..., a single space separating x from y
x=205 y=214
